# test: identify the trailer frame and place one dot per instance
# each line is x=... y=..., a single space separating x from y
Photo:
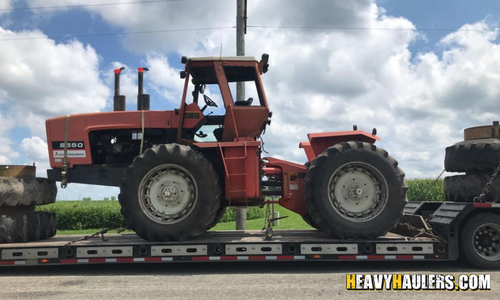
x=445 y=218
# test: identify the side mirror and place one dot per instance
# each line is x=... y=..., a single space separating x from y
x=202 y=89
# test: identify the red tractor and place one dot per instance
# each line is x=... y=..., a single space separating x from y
x=176 y=181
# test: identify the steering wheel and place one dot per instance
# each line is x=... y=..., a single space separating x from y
x=209 y=101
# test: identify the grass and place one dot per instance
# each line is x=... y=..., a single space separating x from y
x=294 y=221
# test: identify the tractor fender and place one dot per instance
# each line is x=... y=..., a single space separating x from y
x=318 y=142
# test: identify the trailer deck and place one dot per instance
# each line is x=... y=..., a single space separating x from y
x=215 y=246
x=436 y=239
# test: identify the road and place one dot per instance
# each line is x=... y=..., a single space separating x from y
x=263 y=280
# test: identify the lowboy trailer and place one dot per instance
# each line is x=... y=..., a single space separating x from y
x=446 y=231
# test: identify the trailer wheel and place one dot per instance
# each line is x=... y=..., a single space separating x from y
x=355 y=190
x=473 y=155
x=26 y=191
x=464 y=188
x=27 y=227
x=170 y=193
x=480 y=241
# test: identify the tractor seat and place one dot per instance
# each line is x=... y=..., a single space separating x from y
x=243 y=102
x=218 y=133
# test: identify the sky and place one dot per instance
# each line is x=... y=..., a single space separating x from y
x=420 y=71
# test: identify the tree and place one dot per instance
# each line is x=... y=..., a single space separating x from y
x=105 y=199
x=86 y=199
x=113 y=198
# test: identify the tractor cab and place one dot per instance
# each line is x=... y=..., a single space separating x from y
x=211 y=110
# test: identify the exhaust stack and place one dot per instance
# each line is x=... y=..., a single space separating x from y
x=118 y=100
x=142 y=99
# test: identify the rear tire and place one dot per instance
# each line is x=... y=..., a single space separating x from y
x=220 y=213
x=476 y=241
x=355 y=190
x=170 y=193
x=307 y=218
x=26 y=191
x=27 y=227
x=464 y=188
x=473 y=155
x=310 y=222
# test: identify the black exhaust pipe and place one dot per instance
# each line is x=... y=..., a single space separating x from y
x=118 y=100
x=142 y=99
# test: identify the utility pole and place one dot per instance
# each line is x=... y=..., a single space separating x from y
x=241 y=30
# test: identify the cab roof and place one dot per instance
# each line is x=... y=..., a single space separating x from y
x=227 y=58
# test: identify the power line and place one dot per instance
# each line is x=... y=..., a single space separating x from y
x=371 y=28
x=117 y=33
x=250 y=26
x=89 y=5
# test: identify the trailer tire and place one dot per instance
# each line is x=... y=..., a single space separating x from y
x=170 y=193
x=473 y=155
x=27 y=227
x=26 y=191
x=472 y=232
x=336 y=203
x=464 y=188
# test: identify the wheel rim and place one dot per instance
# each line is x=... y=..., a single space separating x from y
x=168 y=194
x=358 y=191
x=486 y=241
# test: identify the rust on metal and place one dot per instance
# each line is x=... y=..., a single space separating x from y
x=483 y=132
x=17 y=171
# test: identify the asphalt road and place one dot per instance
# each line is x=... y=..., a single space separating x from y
x=263 y=280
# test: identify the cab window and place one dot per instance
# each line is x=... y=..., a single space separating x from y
x=247 y=76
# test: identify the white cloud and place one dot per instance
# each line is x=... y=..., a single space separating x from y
x=128 y=85
x=165 y=78
x=6 y=151
x=41 y=78
x=420 y=102
x=161 y=77
x=326 y=80
x=36 y=151
x=35 y=148
x=4 y=5
x=4 y=160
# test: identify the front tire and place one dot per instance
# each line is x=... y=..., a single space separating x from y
x=355 y=190
x=170 y=193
